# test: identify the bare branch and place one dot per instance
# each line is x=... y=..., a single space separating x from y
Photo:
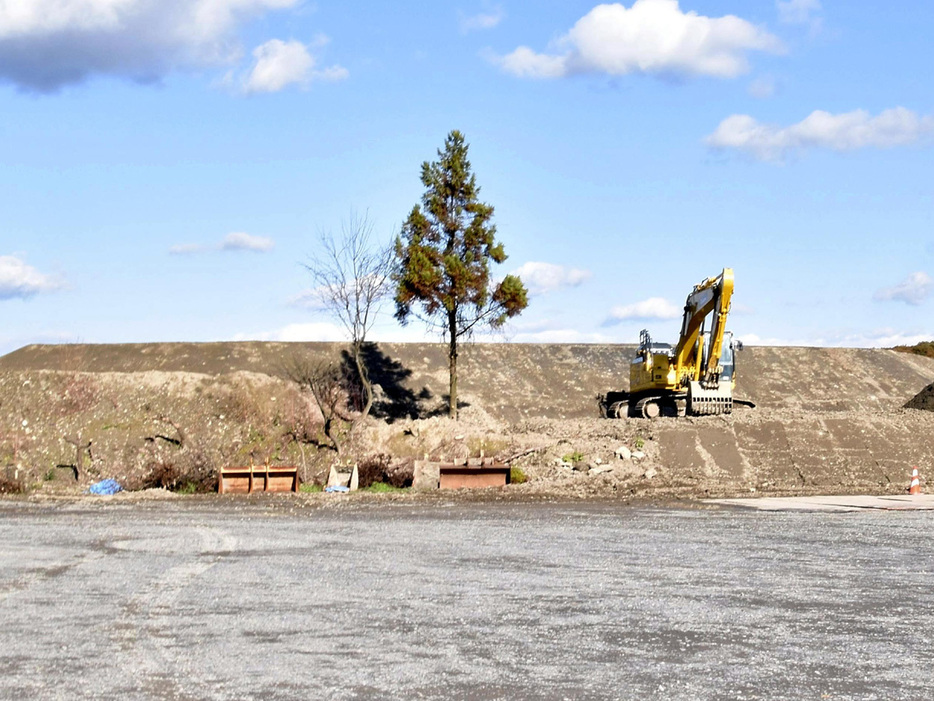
x=326 y=382
x=351 y=277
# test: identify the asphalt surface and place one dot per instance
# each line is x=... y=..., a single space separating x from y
x=235 y=599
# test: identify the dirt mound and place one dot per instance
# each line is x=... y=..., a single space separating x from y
x=828 y=420
x=513 y=382
x=923 y=400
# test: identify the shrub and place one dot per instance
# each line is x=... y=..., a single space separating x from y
x=310 y=487
x=380 y=468
x=517 y=476
x=11 y=485
x=574 y=457
x=190 y=474
x=925 y=348
x=372 y=469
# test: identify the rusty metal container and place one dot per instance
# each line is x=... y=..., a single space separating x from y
x=473 y=476
x=257 y=478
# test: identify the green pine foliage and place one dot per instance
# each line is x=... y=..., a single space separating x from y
x=444 y=254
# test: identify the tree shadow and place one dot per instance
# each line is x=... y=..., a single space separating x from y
x=444 y=407
x=393 y=400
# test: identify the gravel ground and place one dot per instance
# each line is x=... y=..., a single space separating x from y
x=201 y=599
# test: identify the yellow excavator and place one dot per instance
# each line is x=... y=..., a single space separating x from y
x=697 y=375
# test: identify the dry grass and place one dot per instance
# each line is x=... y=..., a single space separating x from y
x=925 y=348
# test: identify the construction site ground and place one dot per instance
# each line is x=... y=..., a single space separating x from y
x=277 y=598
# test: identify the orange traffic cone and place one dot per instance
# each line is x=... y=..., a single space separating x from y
x=915 y=486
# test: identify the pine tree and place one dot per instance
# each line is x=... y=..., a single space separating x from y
x=443 y=257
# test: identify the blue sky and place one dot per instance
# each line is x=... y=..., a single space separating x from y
x=167 y=165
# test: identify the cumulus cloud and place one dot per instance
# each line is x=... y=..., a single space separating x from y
x=651 y=37
x=235 y=241
x=848 y=131
x=46 y=44
x=916 y=288
x=540 y=278
x=17 y=279
x=279 y=64
x=483 y=20
x=654 y=308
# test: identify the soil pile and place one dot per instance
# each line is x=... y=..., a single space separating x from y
x=923 y=400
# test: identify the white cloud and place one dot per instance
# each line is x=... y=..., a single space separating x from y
x=279 y=64
x=386 y=330
x=878 y=338
x=312 y=298
x=483 y=20
x=916 y=288
x=310 y=331
x=46 y=44
x=17 y=279
x=239 y=241
x=540 y=278
x=763 y=88
x=848 y=131
x=652 y=37
x=525 y=63
x=560 y=336
x=798 y=11
x=235 y=241
x=649 y=309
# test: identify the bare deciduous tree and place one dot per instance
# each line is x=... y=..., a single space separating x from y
x=351 y=277
x=326 y=381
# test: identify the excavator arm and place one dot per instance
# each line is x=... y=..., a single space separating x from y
x=692 y=362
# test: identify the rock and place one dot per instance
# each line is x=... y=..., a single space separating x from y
x=583 y=466
x=597 y=461
x=637 y=455
x=427 y=475
x=623 y=453
x=602 y=469
x=650 y=473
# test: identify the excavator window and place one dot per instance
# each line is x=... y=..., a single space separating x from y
x=727 y=360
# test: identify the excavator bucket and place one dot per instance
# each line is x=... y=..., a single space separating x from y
x=710 y=401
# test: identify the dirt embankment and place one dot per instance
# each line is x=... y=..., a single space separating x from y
x=827 y=420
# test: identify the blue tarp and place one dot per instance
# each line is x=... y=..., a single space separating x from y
x=337 y=488
x=108 y=486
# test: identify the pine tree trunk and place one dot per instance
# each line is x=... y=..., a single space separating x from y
x=452 y=360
